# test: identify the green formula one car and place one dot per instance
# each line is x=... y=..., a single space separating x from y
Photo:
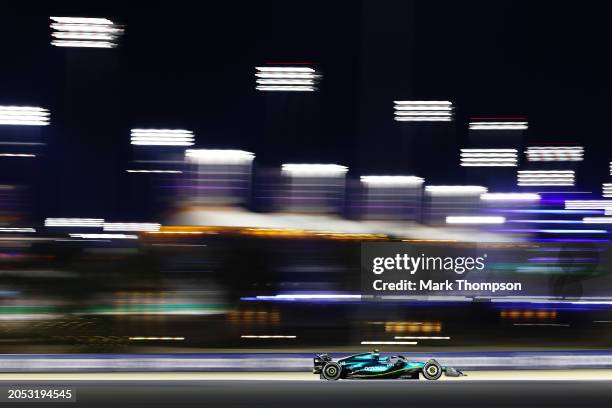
x=373 y=366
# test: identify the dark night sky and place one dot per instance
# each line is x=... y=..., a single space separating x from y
x=191 y=65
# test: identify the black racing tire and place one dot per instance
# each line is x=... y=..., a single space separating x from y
x=432 y=370
x=332 y=371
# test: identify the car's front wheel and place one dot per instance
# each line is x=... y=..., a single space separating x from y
x=332 y=371
x=432 y=370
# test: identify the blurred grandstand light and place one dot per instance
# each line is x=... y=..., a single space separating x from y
x=309 y=297
x=131 y=226
x=556 y=231
x=555 y=153
x=597 y=220
x=141 y=338
x=546 y=221
x=423 y=111
x=314 y=170
x=16 y=229
x=104 y=236
x=286 y=78
x=17 y=155
x=23 y=115
x=214 y=156
x=606 y=189
x=74 y=222
x=475 y=219
x=162 y=137
x=399 y=343
x=154 y=171
x=84 y=32
x=495 y=125
x=489 y=157
x=422 y=337
x=455 y=190
x=588 y=204
x=391 y=181
x=510 y=197
x=546 y=178
x=269 y=336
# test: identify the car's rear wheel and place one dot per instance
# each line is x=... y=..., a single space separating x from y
x=332 y=371
x=432 y=370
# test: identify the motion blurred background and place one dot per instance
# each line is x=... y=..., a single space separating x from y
x=156 y=195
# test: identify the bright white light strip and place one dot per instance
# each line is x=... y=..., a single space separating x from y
x=475 y=220
x=455 y=190
x=489 y=152
x=284 y=88
x=423 y=111
x=597 y=220
x=83 y=44
x=214 y=156
x=156 y=338
x=24 y=122
x=155 y=171
x=24 y=115
x=104 y=236
x=544 y=183
x=441 y=103
x=489 y=157
x=162 y=140
x=405 y=343
x=422 y=337
x=423 y=119
x=555 y=149
x=84 y=32
x=285 y=79
x=161 y=132
x=162 y=137
x=82 y=20
x=84 y=36
x=498 y=125
x=314 y=170
x=588 y=204
x=510 y=196
x=85 y=28
x=290 y=75
x=131 y=226
x=74 y=222
x=546 y=178
x=606 y=190
x=16 y=229
x=17 y=155
x=285 y=69
x=23 y=110
x=331 y=296
x=271 y=336
x=555 y=153
x=390 y=181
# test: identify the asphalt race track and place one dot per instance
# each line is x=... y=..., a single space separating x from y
x=296 y=394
